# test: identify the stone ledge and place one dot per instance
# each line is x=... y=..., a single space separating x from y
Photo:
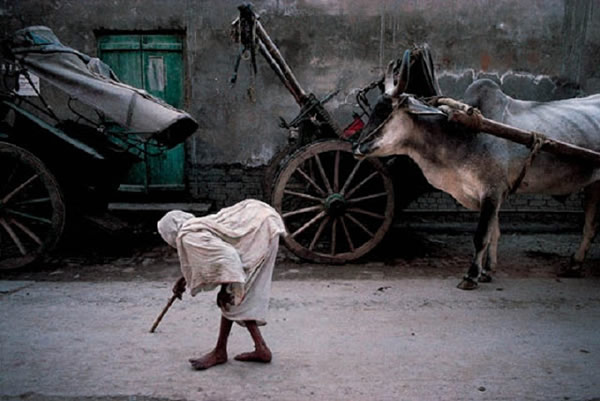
x=196 y=208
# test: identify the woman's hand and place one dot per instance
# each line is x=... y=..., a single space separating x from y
x=224 y=298
x=179 y=288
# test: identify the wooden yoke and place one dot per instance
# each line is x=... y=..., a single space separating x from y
x=472 y=118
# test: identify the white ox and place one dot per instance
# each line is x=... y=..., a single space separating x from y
x=479 y=169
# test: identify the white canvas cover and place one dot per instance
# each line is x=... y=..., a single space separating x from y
x=92 y=82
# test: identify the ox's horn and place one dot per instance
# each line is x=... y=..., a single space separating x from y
x=390 y=88
x=403 y=74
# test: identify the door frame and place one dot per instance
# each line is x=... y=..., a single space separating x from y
x=147 y=186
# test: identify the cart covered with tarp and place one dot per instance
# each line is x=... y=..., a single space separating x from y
x=69 y=131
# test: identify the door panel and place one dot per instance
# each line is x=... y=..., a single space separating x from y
x=155 y=64
x=123 y=54
x=163 y=72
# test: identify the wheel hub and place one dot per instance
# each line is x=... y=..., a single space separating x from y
x=335 y=204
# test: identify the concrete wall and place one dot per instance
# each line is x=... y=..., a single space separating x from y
x=542 y=49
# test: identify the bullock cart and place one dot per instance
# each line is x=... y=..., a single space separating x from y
x=69 y=130
x=335 y=207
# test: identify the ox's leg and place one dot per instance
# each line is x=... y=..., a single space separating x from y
x=488 y=221
x=590 y=227
x=492 y=255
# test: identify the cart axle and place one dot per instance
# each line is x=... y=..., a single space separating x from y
x=335 y=204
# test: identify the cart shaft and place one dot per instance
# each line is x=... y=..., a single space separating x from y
x=283 y=70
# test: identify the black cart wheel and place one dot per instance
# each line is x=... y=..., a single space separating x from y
x=32 y=208
x=335 y=208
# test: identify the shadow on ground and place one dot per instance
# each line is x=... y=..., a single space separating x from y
x=423 y=251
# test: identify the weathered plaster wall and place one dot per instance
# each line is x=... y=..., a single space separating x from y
x=541 y=49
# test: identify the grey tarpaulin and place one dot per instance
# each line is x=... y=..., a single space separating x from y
x=92 y=82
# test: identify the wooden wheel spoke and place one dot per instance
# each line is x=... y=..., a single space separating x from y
x=311 y=181
x=9 y=177
x=360 y=184
x=366 y=212
x=302 y=211
x=308 y=224
x=27 y=231
x=17 y=189
x=347 y=234
x=336 y=172
x=351 y=177
x=301 y=195
x=333 y=236
x=359 y=224
x=32 y=207
x=318 y=233
x=32 y=201
x=323 y=194
x=29 y=216
x=367 y=197
x=13 y=236
x=323 y=175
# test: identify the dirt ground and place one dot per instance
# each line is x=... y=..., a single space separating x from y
x=389 y=327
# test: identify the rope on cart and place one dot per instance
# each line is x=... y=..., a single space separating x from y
x=537 y=142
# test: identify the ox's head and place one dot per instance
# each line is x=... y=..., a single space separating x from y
x=392 y=122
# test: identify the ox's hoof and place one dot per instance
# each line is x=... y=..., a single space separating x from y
x=485 y=278
x=574 y=269
x=571 y=273
x=467 y=284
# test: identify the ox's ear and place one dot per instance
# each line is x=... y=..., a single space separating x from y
x=414 y=106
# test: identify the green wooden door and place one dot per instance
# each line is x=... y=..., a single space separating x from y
x=155 y=64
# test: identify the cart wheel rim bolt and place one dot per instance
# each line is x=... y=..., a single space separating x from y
x=335 y=204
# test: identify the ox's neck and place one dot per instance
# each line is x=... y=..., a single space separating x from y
x=442 y=157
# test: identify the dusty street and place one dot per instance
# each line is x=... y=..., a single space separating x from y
x=391 y=328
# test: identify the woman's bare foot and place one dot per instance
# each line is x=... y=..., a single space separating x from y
x=262 y=355
x=209 y=360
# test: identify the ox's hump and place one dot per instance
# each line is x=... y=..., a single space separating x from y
x=487 y=96
x=482 y=84
x=480 y=89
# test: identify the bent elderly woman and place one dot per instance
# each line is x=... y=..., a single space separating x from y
x=236 y=250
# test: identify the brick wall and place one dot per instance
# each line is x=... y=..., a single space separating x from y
x=440 y=201
x=225 y=185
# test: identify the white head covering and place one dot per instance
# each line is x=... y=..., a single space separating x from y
x=170 y=224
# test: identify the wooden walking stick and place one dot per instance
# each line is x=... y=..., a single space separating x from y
x=164 y=311
x=178 y=291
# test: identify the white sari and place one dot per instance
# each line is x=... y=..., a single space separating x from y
x=236 y=246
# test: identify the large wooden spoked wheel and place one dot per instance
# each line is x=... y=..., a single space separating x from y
x=32 y=209
x=335 y=208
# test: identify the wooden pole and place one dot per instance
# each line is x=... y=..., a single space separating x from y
x=271 y=48
x=277 y=69
x=474 y=119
